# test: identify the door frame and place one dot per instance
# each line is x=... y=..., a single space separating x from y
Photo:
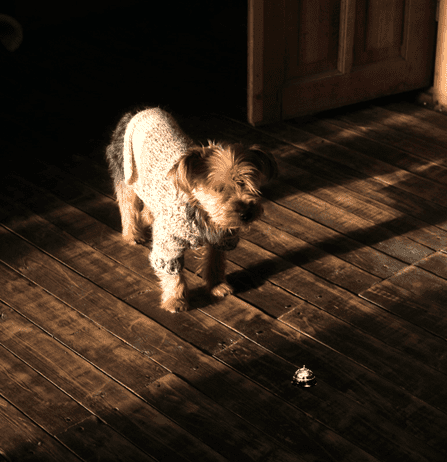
x=263 y=97
x=440 y=80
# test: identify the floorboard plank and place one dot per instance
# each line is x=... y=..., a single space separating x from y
x=368 y=126
x=26 y=389
x=413 y=120
x=233 y=438
x=23 y=440
x=93 y=440
x=343 y=247
x=385 y=218
x=114 y=404
x=363 y=231
x=402 y=302
x=309 y=257
x=435 y=263
x=344 y=135
x=308 y=136
x=416 y=295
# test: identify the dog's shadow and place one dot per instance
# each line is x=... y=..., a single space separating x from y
x=241 y=280
x=199 y=297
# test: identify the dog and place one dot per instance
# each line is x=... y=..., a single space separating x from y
x=192 y=196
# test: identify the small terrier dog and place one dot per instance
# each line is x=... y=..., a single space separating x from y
x=191 y=195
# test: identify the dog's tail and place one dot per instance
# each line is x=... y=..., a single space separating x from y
x=115 y=150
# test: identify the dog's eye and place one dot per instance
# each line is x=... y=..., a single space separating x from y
x=240 y=183
x=219 y=189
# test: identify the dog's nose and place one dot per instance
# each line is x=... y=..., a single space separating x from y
x=248 y=213
x=247 y=216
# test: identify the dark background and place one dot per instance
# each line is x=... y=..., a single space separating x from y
x=81 y=65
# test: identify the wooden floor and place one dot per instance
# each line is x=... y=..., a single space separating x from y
x=346 y=273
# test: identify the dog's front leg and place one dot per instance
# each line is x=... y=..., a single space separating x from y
x=174 y=297
x=214 y=272
x=167 y=259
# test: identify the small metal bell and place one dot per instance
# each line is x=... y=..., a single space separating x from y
x=304 y=377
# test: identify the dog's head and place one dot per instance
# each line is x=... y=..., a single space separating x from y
x=224 y=181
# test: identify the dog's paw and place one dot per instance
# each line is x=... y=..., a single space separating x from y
x=130 y=241
x=134 y=239
x=222 y=290
x=175 y=305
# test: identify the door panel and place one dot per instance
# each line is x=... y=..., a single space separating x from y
x=315 y=48
x=306 y=56
x=379 y=30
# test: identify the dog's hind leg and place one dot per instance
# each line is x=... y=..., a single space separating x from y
x=146 y=216
x=130 y=208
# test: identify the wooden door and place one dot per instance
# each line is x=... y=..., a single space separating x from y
x=306 y=56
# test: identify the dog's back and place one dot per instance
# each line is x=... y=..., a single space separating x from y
x=144 y=147
x=154 y=137
x=153 y=142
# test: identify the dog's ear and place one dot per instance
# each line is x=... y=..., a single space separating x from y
x=186 y=173
x=264 y=162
